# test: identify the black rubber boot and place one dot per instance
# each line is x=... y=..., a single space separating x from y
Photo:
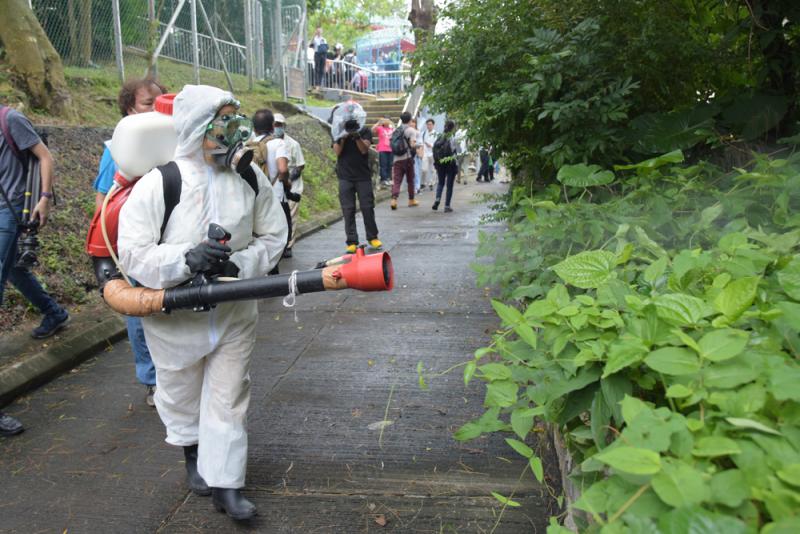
x=233 y=503
x=193 y=478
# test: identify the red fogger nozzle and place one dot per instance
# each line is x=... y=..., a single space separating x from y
x=368 y=273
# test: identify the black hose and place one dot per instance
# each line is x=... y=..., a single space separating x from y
x=201 y=296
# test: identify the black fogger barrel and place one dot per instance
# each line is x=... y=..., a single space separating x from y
x=372 y=272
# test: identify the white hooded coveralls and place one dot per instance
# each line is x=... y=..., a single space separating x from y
x=202 y=360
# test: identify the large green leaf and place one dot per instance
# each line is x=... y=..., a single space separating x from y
x=695 y=520
x=584 y=175
x=679 y=484
x=731 y=373
x=789 y=278
x=631 y=460
x=623 y=353
x=729 y=488
x=673 y=361
x=751 y=115
x=736 y=297
x=495 y=371
x=661 y=132
x=522 y=421
x=502 y=393
x=790 y=525
x=723 y=344
x=790 y=474
x=508 y=314
x=675 y=156
x=681 y=309
x=713 y=446
x=740 y=422
x=588 y=269
x=520 y=447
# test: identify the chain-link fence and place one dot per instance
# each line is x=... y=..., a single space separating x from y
x=236 y=37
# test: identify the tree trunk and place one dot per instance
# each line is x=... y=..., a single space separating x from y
x=72 y=27
x=423 y=20
x=84 y=55
x=35 y=62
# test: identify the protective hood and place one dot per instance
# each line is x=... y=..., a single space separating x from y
x=194 y=107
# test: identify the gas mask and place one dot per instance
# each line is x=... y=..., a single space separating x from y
x=229 y=133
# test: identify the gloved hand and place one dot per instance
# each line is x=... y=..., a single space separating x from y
x=229 y=269
x=208 y=257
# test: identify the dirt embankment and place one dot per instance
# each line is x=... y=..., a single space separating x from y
x=65 y=269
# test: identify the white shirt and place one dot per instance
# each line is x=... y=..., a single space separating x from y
x=428 y=139
x=318 y=40
x=296 y=159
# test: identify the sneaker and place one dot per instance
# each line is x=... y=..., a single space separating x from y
x=430 y=187
x=413 y=203
x=394 y=204
x=9 y=426
x=149 y=397
x=435 y=206
x=51 y=324
x=375 y=243
x=448 y=209
x=351 y=249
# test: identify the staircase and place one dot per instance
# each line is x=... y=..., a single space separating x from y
x=378 y=108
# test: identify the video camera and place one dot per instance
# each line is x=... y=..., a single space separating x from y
x=28 y=243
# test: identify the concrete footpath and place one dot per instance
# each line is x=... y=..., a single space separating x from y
x=342 y=438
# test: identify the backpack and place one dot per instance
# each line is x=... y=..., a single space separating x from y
x=322 y=48
x=260 y=153
x=398 y=142
x=442 y=149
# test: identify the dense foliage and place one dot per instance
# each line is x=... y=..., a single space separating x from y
x=549 y=83
x=659 y=331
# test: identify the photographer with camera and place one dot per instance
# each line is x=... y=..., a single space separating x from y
x=351 y=145
x=19 y=145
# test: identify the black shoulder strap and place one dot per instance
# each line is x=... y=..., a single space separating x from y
x=171 y=176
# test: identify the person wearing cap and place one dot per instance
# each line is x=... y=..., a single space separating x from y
x=296 y=165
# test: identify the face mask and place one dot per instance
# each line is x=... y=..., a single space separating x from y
x=230 y=132
x=279 y=131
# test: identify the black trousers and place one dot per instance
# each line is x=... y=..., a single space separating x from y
x=319 y=68
x=385 y=160
x=348 y=190
x=288 y=213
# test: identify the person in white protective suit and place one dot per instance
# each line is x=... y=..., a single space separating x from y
x=203 y=359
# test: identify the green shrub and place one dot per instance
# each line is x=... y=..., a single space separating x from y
x=658 y=330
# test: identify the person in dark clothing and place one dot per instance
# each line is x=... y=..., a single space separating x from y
x=447 y=168
x=487 y=165
x=352 y=168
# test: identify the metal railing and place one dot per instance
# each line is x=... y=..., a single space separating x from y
x=348 y=76
x=179 y=47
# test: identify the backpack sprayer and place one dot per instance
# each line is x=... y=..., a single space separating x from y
x=147 y=140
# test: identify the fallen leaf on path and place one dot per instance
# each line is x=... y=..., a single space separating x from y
x=380 y=424
x=381 y=520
